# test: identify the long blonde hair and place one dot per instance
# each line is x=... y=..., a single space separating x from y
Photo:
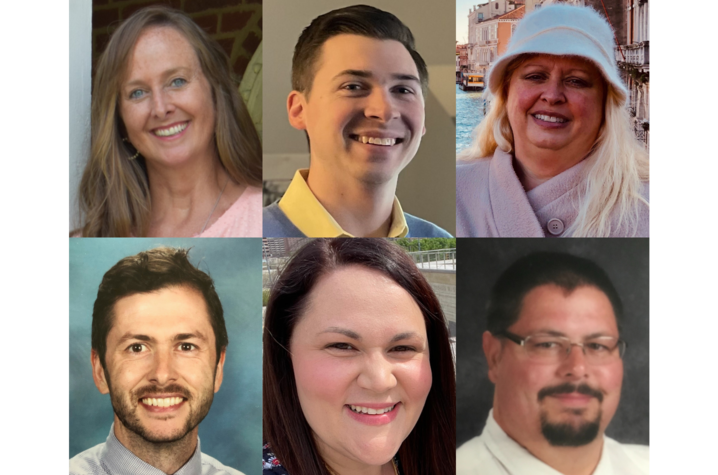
x=618 y=162
x=114 y=195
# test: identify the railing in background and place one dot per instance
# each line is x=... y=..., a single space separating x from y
x=439 y=259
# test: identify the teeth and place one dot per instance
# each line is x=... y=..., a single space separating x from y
x=162 y=402
x=376 y=140
x=174 y=130
x=367 y=410
x=547 y=118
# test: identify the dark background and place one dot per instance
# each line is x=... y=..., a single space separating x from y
x=481 y=261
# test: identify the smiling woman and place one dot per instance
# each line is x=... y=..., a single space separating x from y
x=174 y=151
x=358 y=372
x=555 y=155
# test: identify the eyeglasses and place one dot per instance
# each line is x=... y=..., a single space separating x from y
x=548 y=349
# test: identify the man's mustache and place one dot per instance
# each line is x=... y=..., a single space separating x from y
x=567 y=388
x=155 y=389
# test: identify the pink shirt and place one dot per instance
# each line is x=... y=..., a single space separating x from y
x=242 y=219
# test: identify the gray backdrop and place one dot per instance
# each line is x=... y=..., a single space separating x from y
x=427 y=186
x=231 y=432
x=483 y=260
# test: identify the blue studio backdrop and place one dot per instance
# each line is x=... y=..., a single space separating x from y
x=232 y=431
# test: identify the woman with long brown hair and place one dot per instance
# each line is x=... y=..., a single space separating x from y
x=358 y=370
x=174 y=151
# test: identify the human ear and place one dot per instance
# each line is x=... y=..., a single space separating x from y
x=295 y=110
x=98 y=373
x=492 y=349
x=219 y=373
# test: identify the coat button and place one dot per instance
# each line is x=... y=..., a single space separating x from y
x=555 y=226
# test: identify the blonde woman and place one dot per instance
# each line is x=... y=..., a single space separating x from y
x=174 y=151
x=555 y=156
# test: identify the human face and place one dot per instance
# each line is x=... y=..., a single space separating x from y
x=363 y=88
x=361 y=342
x=520 y=402
x=161 y=367
x=166 y=101
x=555 y=103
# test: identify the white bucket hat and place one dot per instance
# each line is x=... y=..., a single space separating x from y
x=563 y=30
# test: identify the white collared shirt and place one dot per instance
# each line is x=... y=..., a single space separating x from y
x=495 y=453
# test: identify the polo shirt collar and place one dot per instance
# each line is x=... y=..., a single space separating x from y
x=303 y=209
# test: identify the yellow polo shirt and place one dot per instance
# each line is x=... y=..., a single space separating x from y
x=303 y=209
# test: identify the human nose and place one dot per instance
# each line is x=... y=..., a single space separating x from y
x=553 y=92
x=162 y=371
x=574 y=365
x=381 y=106
x=377 y=374
x=162 y=104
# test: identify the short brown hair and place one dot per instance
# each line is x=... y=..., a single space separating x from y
x=430 y=448
x=361 y=20
x=146 y=272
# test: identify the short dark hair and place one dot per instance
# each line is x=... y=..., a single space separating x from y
x=149 y=271
x=359 y=20
x=541 y=268
x=430 y=448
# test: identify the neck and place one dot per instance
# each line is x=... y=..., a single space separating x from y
x=538 y=166
x=567 y=460
x=183 y=197
x=362 y=209
x=168 y=457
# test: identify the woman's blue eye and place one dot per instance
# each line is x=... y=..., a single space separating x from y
x=136 y=94
x=178 y=82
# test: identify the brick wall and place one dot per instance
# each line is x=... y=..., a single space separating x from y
x=235 y=24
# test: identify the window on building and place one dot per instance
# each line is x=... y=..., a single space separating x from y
x=496 y=6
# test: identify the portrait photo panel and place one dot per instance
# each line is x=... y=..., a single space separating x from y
x=432 y=166
x=625 y=261
x=231 y=431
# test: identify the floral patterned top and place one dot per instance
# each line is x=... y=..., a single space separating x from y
x=272 y=466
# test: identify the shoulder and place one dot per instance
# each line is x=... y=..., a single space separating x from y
x=636 y=454
x=242 y=219
x=212 y=466
x=468 y=171
x=270 y=464
x=422 y=228
x=276 y=223
x=471 y=178
x=87 y=462
x=473 y=457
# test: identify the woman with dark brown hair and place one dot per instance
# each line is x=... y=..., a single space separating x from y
x=358 y=370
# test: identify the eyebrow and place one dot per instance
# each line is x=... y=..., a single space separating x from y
x=587 y=337
x=179 y=337
x=355 y=336
x=166 y=74
x=368 y=74
x=539 y=65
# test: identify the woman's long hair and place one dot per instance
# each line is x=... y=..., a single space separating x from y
x=114 y=193
x=430 y=448
x=618 y=168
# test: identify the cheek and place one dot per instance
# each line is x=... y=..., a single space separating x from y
x=415 y=379
x=589 y=107
x=321 y=380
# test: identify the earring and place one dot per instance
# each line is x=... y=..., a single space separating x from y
x=137 y=152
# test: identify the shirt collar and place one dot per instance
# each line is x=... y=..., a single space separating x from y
x=118 y=460
x=303 y=209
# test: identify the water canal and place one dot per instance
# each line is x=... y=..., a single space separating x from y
x=469 y=113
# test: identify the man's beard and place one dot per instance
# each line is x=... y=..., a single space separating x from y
x=126 y=412
x=565 y=434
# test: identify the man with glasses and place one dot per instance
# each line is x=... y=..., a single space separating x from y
x=555 y=356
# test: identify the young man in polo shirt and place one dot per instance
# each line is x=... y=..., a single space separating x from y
x=359 y=95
